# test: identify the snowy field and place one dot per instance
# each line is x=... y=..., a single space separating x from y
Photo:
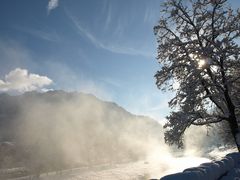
x=154 y=167
x=140 y=170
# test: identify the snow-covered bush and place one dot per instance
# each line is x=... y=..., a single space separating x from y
x=225 y=169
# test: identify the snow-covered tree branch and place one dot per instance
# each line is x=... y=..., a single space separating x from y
x=198 y=46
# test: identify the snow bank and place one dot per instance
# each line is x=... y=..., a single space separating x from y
x=224 y=169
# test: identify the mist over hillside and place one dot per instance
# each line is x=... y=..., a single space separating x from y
x=62 y=130
x=56 y=130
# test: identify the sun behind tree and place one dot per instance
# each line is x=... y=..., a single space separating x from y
x=198 y=47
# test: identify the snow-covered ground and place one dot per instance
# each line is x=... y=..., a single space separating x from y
x=140 y=170
x=155 y=167
x=218 y=153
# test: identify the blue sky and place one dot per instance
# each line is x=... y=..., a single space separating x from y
x=103 y=47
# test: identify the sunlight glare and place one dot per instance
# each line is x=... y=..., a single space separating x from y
x=201 y=63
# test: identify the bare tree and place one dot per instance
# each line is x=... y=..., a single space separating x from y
x=198 y=47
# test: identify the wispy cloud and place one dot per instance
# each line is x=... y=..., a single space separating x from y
x=47 y=35
x=14 y=54
x=20 y=80
x=72 y=80
x=151 y=14
x=151 y=103
x=112 y=82
x=52 y=4
x=108 y=12
x=109 y=46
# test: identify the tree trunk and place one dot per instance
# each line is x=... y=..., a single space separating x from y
x=232 y=117
x=234 y=130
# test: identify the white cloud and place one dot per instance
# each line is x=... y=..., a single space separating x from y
x=52 y=4
x=19 y=80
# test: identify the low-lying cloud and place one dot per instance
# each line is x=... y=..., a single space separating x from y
x=20 y=80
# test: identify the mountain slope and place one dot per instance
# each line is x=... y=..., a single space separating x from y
x=60 y=130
